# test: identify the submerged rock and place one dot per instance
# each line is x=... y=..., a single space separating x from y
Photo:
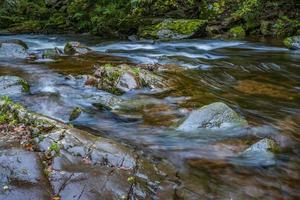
x=264 y=145
x=252 y=87
x=75 y=48
x=13 y=49
x=76 y=112
x=215 y=115
x=174 y=29
x=12 y=85
x=51 y=53
x=261 y=153
x=16 y=41
x=292 y=42
x=123 y=78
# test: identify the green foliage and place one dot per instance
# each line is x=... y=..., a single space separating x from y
x=55 y=147
x=180 y=26
x=115 y=18
x=25 y=85
x=285 y=26
x=237 y=32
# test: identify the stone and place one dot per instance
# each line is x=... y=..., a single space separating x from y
x=292 y=42
x=12 y=50
x=118 y=79
x=22 y=175
x=215 y=115
x=127 y=82
x=76 y=112
x=51 y=53
x=75 y=48
x=174 y=29
x=264 y=145
x=13 y=85
x=262 y=153
x=16 y=41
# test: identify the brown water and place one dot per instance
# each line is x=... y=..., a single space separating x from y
x=259 y=80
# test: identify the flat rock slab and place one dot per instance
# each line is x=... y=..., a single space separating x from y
x=22 y=174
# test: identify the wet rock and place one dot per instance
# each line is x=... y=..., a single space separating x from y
x=260 y=153
x=127 y=82
x=76 y=112
x=174 y=29
x=123 y=78
x=75 y=48
x=16 y=41
x=22 y=174
x=237 y=32
x=51 y=53
x=215 y=115
x=12 y=50
x=264 y=145
x=13 y=85
x=292 y=42
x=84 y=167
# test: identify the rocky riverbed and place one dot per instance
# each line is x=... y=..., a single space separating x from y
x=190 y=119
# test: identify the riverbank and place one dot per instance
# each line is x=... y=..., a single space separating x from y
x=121 y=19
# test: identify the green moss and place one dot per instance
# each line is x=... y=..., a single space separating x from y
x=181 y=26
x=25 y=85
x=285 y=26
x=292 y=42
x=55 y=147
x=212 y=10
x=237 y=32
x=76 y=112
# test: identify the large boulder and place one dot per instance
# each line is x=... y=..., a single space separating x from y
x=174 y=29
x=292 y=42
x=123 y=78
x=13 y=49
x=75 y=48
x=13 y=85
x=215 y=115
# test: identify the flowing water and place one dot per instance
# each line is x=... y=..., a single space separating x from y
x=258 y=79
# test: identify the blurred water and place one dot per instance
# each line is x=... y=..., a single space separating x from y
x=260 y=81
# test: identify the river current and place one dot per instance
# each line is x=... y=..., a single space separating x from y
x=258 y=79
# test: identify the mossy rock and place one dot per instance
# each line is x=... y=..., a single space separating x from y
x=264 y=145
x=51 y=53
x=118 y=79
x=75 y=48
x=237 y=32
x=76 y=112
x=292 y=42
x=15 y=41
x=212 y=116
x=13 y=85
x=173 y=29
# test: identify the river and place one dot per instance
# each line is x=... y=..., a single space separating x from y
x=258 y=79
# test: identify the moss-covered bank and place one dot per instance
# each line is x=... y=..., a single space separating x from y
x=120 y=18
